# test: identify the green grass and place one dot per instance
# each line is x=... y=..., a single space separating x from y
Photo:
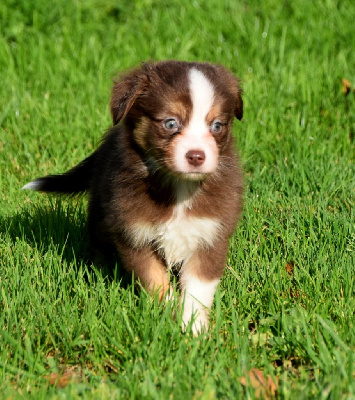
x=286 y=303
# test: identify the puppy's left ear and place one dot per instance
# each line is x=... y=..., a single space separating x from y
x=233 y=86
x=237 y=91
x=125 y=92
x=239 y=104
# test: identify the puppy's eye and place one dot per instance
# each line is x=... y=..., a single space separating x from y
x=170 y=124
x=216 y=127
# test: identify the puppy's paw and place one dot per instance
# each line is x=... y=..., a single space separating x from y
x=197 y=321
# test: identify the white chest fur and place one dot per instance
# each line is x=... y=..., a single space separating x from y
x=179 y=237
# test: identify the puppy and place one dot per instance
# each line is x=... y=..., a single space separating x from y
x=165 y=186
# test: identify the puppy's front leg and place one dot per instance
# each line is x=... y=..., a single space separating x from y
x=147 y=268
x=198 y=287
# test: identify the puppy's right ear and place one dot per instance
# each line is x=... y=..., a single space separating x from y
x=125 y=92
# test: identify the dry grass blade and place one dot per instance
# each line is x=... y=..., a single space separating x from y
x=265 y=387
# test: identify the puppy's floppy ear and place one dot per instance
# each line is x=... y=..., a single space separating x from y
x=233 y=86
x=125 y=92
x=237 y=91
x=239 y=105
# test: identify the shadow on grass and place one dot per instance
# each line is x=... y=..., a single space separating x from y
x=60 y=227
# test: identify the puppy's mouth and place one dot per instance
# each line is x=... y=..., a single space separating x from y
x=193 y=176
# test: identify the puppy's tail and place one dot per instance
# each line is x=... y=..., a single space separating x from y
x=76 y=180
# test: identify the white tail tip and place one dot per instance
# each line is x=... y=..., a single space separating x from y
x=34 y=185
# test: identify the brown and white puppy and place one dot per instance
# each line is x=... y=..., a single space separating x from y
x=165 y=186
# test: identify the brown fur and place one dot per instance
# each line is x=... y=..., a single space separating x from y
x=140 y=196
x=126 y=188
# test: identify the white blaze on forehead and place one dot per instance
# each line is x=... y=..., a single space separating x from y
x=196 y=135
x=202 y=96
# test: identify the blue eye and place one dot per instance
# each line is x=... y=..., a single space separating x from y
x=216 y=127
x=170 y=124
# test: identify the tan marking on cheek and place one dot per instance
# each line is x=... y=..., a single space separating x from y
x=140 y=132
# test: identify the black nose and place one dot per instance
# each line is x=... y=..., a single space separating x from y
x=195 y=157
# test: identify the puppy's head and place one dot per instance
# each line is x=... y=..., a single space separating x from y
x=180 y=114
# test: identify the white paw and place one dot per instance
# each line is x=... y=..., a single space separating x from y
x=199 y=325
x=197 y=298
x=198 y=315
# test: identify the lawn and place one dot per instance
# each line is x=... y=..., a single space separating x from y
x=282 y=324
